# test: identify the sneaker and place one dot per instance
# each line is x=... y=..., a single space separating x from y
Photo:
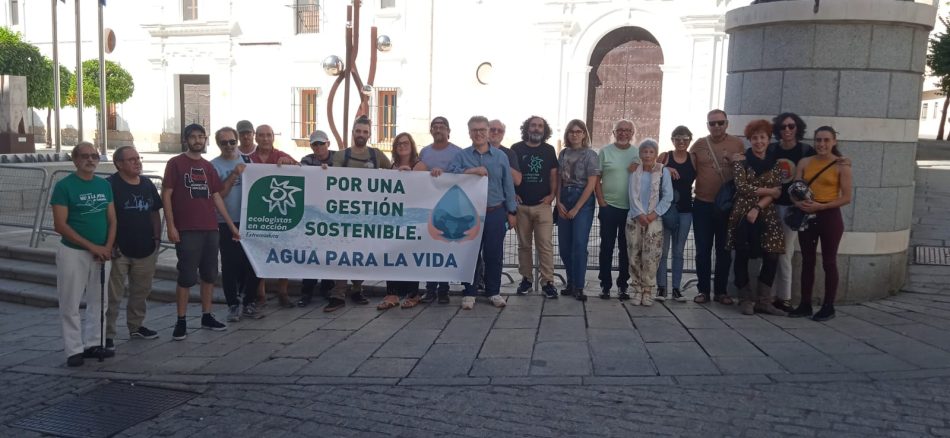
x=250 y=311
x=358 y=298
x=569 y=290
x=468 y=303
x=234 y=313
x=647 y=299
x=549 y=291
x=96 y=352
x=803 y=310
x=660 y=294
x=144 y=333
x=429 y=297
x=304 y=301
x=678 y=296
x=110 y=344
x=334 y=304
x=827 y=312
x=524 y=286
x=498 y=301
x=75 y=360
x=605 y=294
x=623 y=296
x=579 y=294
x=208 y=322
x=783 y=305
x=444 y=297
x=181 y=330
x=637 y=299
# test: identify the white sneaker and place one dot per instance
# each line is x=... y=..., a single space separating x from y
x=468 y=303
x=636 y=298
x=498 y=301
x=647 y=299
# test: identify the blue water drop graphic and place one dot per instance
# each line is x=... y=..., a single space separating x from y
x=454 y=214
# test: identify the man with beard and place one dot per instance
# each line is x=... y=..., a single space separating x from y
x=84 y=215
x=501 y=208
x=190 y=196
x=138 y=234
x=359 y=155
x=538 y=163
x=611 y=191
x=267 y=154
x=246 y=136
x=236 y=272
x=437 y=157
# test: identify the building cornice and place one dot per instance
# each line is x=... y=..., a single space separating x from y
x=189 y=28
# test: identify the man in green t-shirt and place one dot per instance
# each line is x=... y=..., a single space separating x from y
x=83 y=213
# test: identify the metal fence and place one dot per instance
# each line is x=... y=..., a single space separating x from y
x=21 y=191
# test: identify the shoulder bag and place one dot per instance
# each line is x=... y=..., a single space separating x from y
x=795 y=218
x=727 y=192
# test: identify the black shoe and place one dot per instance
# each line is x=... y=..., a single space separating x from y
x=334 y=304
x=783 y=305
x=443 y=297
x=549 y=291
x=660 y=294
x=75 y=360
x=181 y=330
x=827 y=312
x=208 y=322
x=429 y=297
x=358 y=298
x=803 y=310
x=110 y=344
x=94 y=352
x=304 y=301
x=524 y=286
x=143 y=332
x=579 y=294
x=678 y=296
x=569 y=290
x=605 y=294
x=623 y=296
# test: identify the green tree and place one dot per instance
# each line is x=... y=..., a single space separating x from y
x=66 y=79
x=938 y=60
x=119 y=85
x=20 y=58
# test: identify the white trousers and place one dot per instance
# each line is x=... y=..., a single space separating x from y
x=782 y=286
x=78 y=277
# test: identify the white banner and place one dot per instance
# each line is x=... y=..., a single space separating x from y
x=361 y=224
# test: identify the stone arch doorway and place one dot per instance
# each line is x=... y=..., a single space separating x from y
x=625 y=82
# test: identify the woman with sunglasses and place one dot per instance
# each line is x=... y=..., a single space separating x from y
x=682 y=167
x=405 y=158
x=578 y=168
x=831 y=187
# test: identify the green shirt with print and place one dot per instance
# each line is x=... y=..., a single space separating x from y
x=614 y=173
x=88 y=204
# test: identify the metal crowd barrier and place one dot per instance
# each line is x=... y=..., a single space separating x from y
x=22 y=189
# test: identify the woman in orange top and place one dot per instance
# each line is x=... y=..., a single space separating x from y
x=831 y=189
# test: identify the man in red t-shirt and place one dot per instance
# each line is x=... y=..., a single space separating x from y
x=190 y=198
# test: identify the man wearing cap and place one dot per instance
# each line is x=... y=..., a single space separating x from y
x=437 y=157
x=322 y=155
x=246 y=136
x=190 y=196
x=236 y=272
x=84 y=215
x=138 y=233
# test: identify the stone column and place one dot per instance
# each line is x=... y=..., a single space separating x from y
x=855 y=65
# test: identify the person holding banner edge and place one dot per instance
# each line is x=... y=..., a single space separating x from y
x=437 y=157
x=502 y=208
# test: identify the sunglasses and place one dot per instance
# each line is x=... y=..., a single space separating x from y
x=496 y=130
x=94 y=157
x=679 y=139
x=717 y=122
x=790 y=126
x=227 y=142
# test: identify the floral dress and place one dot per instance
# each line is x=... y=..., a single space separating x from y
x=771 y=239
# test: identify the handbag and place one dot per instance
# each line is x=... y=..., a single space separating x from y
x=671 y=219
x=795 y=218
x=727 y=191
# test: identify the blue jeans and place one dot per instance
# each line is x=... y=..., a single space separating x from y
x=573 y=235
x=677 y=237
x=493 y=251
x=613 y=223
x=709 y=226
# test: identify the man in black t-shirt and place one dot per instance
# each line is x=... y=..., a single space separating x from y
x=137 y=240
x=538 y=163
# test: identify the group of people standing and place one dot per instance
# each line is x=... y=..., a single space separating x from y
x=646 y=203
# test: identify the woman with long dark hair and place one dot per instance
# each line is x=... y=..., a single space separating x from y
x=831 y=188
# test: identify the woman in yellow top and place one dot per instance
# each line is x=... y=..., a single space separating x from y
x=831 y=189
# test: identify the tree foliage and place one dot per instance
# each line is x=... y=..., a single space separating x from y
x=119 y=83
x=20 y=58
x=45 y=93
x=938 y=61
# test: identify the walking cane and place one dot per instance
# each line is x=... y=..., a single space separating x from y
x=102 y=310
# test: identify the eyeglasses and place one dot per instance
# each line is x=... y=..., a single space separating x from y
x=94 y=157
x=623 y=130
x=403 y=143
x=478 y=131
x=717 y=122
x=131 y=159
x=227 y=142
x=790 y=126
x=496 y=130
x=680 y=139
x=575 y=132
x=319 y=143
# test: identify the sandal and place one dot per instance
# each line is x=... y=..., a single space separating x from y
x=701 y=299
x=724 y=299
x=410 y=302
x=388 y=303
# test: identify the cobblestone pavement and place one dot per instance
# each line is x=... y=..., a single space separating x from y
x=535 y=368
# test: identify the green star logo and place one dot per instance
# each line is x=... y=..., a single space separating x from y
x=275 y=203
